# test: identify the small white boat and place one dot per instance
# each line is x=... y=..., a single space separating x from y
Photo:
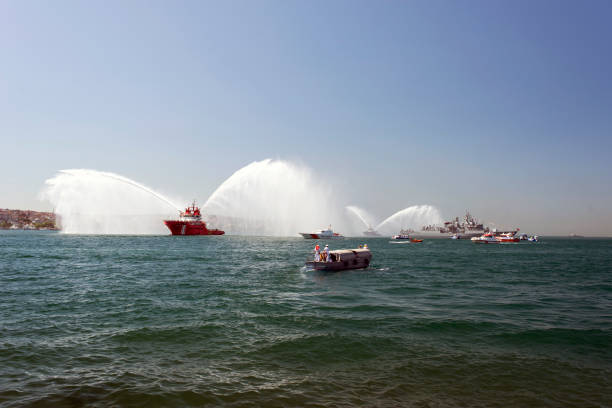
x=404 y=234
x=322 y=234
x=507 y=237
x=485 y=239
x=535 y=238
x=401 y=236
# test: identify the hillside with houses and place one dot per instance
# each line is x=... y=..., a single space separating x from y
x=27 y=220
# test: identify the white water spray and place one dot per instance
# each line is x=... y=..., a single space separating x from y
x=413 y=217
x=361 y=214
x=95 y=202
x=272 y=197
x=268 y=197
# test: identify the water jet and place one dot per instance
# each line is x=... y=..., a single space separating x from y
x=95 y=202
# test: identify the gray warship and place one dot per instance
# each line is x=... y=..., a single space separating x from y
x=458 y=229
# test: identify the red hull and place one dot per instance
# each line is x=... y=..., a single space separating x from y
x=506 y=239
x=190 y=228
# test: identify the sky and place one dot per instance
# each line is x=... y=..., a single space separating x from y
x=500 y=107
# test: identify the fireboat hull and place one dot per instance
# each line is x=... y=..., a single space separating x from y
x=190 y=228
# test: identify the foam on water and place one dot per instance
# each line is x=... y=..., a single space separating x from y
x=96 y=202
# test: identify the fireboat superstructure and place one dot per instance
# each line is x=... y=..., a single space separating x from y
x=190 y=223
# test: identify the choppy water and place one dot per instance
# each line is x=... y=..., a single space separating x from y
x=237 y=321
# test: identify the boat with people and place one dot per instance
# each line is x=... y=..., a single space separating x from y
x=190 y=223
x=322 y=234
x=533 y=238
x=340 y=259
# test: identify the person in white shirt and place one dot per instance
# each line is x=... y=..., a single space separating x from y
x=327 y=257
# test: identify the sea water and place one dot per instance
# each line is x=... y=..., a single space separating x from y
x=237 y=321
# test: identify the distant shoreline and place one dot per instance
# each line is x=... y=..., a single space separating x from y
x=27 y=220
x=11 y=219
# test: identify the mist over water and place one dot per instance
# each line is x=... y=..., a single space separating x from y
x=362 y=215
x=413 y=217
x=268 y=197
x=96 y=202
x=274 y=197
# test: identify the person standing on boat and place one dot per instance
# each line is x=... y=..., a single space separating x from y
x=327 y=257
x=317 y=251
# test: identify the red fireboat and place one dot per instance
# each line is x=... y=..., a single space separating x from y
x=190 y=223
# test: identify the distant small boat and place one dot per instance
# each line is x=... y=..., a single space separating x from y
x=534 y=238
x=507 y=237
x=401 y=236
x=322 y=234
x=371 y=232
x=404 y=234
x=485 y=239
x=343 y=259
x=456 y=236
x=415 y=240
x=492 y=238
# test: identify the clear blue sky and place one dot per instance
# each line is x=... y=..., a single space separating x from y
x=501 y=107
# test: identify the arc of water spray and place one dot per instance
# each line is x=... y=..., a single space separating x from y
x=388 y=219
x=357 y=212
x=74 y=173
x=421 y=210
